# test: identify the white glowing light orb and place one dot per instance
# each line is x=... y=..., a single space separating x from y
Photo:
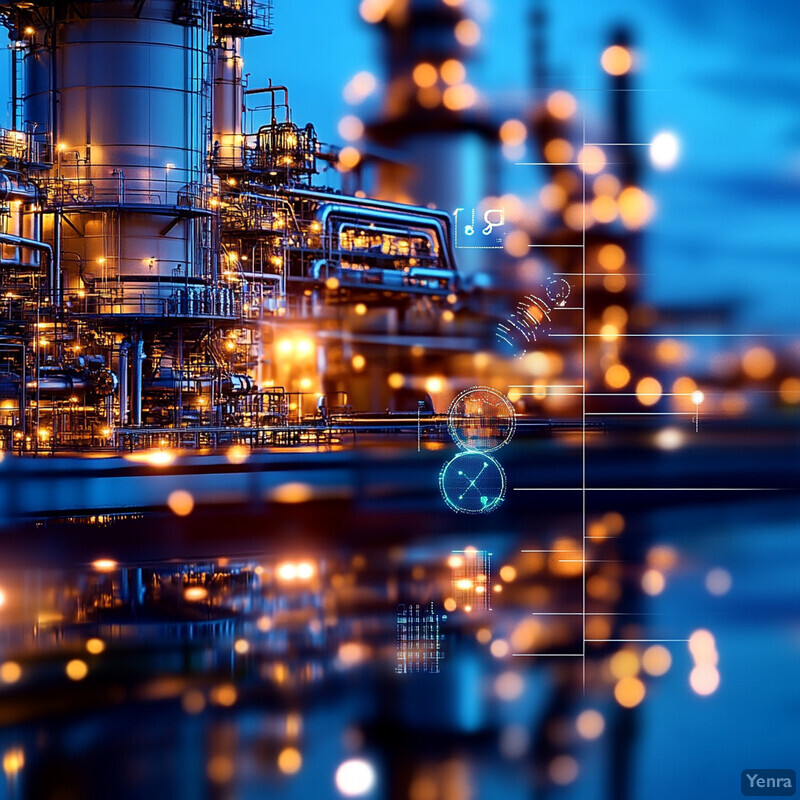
x=664 y=150
x=355 y=777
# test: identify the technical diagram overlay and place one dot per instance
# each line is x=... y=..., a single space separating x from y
x=481 y=419
x=531 y=321
x=578 y=554
x=474 y=232
x=418 y=639
x=472 y=483
x=471 y=579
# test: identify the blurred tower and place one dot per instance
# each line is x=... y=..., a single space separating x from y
x=430 y=116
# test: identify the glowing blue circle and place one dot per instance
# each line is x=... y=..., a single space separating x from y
x=472 y=483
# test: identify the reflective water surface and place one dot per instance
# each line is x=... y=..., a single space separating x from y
x=264 y=660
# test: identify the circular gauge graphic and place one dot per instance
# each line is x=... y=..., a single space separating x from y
x=558 y=291
x=481 y=419
x=472 y=483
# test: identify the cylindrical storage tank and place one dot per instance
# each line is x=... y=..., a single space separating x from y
x=131 y=126
x=228 y=104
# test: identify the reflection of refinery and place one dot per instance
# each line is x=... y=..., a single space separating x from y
x=159 y=258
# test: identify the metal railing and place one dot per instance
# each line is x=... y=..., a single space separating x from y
x=29 y=148
x=197 y=302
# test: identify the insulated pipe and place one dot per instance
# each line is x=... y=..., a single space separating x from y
x=124 y=350
x=374 y=214
x=59 y=385
x=14 y=190
x=34 y=244
x=138 y=357
x=416 y=214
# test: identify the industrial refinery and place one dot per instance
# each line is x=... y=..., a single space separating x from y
x=166 y=260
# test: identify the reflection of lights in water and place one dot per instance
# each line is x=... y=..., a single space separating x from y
x=156 y=458
x=76 y=669
x=355 y=777
x=180 y=502
x=294 y=492
x=195 y=593
x=193 y=701
x=264 y=624
x=563 y=770
x=351 y=653
x=291 y=571
x=290 y=761
x=224 y=695
x=10 y=672
x=237 y=454
x=13 y=761
x=220 y=769
x=305 y=570
x=514 y=741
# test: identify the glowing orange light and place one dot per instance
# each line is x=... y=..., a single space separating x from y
x=349 y=158
x=629 y=692
x=591 y=159
x=453 y=72
x=458 y=98
x=561 y=105
x=648 y=391
x=513 y=132
x=424 y=75
x=616 y=60
x=467 y=32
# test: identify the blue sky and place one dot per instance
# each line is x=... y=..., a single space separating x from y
x=724 y=76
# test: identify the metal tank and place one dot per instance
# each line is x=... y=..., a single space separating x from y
x=227 y=134
x=123 y=87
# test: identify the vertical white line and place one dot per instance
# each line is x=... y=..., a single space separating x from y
x=583 y=419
